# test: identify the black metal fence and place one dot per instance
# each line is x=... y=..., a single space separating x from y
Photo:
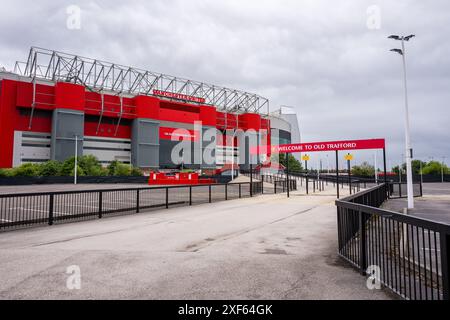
x=16 y=181
x=279 y=181
x=30 y=209
x=399 y=190
x=409 y=255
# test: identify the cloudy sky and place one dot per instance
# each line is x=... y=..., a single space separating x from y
x=329 y=60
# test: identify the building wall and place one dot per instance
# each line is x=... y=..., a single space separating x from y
x=108 y=126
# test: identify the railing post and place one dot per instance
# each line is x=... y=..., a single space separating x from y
x=100 y=204
x=362 y=243
x=50 y=209
x=167 y=198
x=445 y=265
x=251 y=180
x=190 y=195
x=137 y=201
x=226 y=192
x=209 y=188
x=240 y=195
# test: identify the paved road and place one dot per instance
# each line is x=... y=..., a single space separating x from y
x=434 y=205
x=268 y=247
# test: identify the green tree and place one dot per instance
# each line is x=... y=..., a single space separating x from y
x=294 y=164
x=435 y=168
x=416 y=164
x=364 y=170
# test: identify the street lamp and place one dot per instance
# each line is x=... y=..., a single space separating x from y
x=409 y=152
x=235 y=130
x=75 y=169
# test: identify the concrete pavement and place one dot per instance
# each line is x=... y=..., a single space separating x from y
x=267 y=247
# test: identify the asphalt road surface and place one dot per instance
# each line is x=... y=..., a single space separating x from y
x=267 y=247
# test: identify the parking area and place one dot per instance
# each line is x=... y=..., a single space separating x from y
x=434 y=205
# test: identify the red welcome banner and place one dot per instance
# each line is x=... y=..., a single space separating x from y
x=330 y=146
x=178 y=96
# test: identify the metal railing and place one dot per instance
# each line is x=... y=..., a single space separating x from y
x=409 y=255
x=399 y=190
x=279 y=181
x=30 y=209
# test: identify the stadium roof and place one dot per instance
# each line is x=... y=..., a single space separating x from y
x=101 y=76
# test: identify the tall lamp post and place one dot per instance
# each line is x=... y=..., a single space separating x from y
x=75 y=169
x=409 y=152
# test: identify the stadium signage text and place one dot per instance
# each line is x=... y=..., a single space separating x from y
x=178 y=96
x=330 y=146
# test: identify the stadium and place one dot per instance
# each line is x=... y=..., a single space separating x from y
x=56 y=105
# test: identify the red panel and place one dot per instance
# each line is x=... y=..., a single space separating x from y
x=250 y=121
x=147 y=107
x=7 y=120
x=40 y=123
x=45 y=95
x=69 y=96
x=180 y=106
x=208 y=116
x=178 y=116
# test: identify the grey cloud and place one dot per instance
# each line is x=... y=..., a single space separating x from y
x=318 y=56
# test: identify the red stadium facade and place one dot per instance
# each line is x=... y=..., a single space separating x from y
x=41 y=116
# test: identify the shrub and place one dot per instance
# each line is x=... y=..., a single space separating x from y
x=364 y=170
x=50 y=168
x=112 y=167
x=98 y=172
x=80 y=172
x=136 y=172
x=90 y=165
x=122 y=170
x=67 y=167
x=26 y=170
x=5 y=172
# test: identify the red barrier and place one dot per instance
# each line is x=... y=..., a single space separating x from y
x=181 y=178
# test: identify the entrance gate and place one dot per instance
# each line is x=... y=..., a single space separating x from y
x=346 y=145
